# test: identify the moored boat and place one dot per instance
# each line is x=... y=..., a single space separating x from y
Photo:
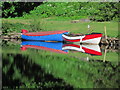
x=43 y=36
x=93 y=38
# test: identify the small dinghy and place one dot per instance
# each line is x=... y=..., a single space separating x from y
x=93 y=38
x=43 y=36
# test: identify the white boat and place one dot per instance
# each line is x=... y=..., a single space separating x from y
x=88 y=38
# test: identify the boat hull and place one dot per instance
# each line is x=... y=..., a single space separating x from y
x=61 y=36
x=90 y=38
x=54 y=37
x=43 y=36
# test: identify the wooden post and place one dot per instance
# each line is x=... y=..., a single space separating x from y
x=88 y=27
x=105 y=31
x=104 y=55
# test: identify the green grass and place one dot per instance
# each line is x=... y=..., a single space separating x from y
x=53 y=24
x=60 y=18
x=112 y=27
x=74 y=71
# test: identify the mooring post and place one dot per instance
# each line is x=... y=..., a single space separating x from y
x=88 y=28
x=105 y=55
x=105 y=34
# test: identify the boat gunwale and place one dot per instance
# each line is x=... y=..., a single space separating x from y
x=44 y=33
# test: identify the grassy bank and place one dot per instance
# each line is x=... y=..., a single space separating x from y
x=53 y=23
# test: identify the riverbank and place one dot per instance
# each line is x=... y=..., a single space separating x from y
x=50 y=24
x=11 y=27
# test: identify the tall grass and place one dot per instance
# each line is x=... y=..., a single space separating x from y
x=15 y=25
x=36 y=24
x=8 y=27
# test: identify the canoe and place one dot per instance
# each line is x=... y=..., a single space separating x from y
x=43 y=36
x=93 y=38
x=60 y=47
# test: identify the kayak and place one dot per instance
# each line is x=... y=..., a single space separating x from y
x=43 y=36
x=60 y=47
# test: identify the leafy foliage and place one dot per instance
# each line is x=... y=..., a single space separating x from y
x=13 y=27
x=96 y=11
x=106 y=12
x=17 y=9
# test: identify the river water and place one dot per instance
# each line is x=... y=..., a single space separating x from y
x=30 y=64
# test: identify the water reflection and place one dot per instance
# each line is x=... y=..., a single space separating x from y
x=49 y=46
x=18 y=74
x=40 y=69
x=61 y=47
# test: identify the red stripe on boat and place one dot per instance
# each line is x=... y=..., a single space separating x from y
x=75 y=40
x=43 y=33
x=91 y=51
x=92 y=36
x=43 y=48
x=73 y=45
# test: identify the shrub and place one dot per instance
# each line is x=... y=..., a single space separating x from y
x=13 y=27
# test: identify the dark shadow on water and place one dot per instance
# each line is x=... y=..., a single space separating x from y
x=28 y=70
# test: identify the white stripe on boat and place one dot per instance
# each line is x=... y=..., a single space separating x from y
x=73 y=48
x=72 y=38
x=92 y=47
x=92 y=41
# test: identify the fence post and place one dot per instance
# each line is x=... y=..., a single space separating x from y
x=105 y=31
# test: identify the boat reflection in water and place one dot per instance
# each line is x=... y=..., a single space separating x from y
x=90 y=49
x=49 y=46
x=61 y=47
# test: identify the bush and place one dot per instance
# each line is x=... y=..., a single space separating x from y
x=17 y=9
x=13 y=27
x=106 y=12
x=96 y=11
